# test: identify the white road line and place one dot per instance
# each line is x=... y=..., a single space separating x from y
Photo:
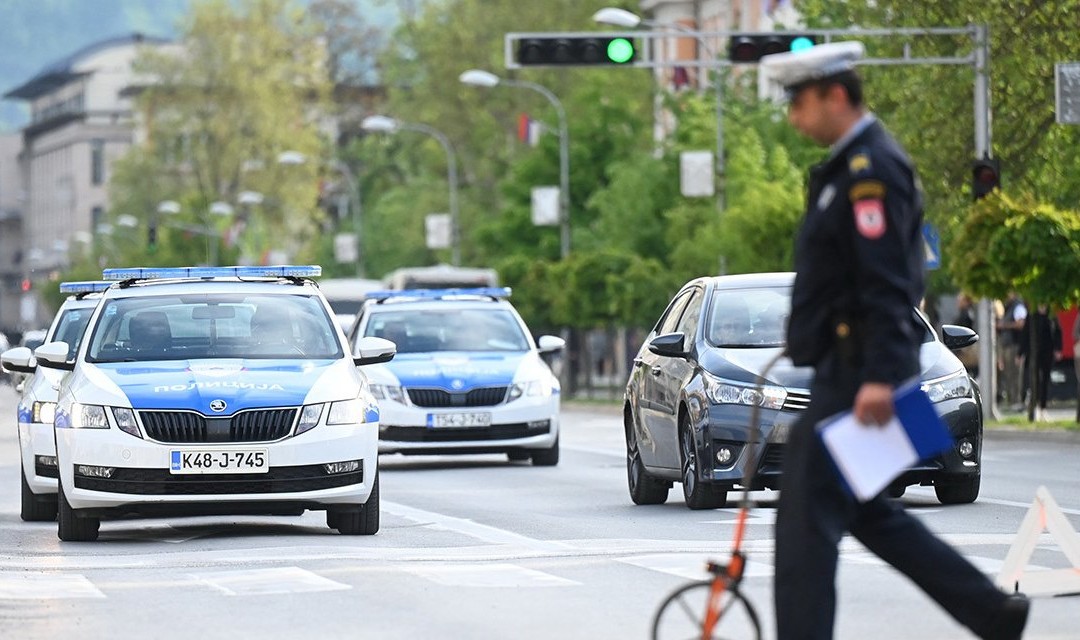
x=692 y=566
x=257 y=582
x=482 y=532
x=34 y=586
x=492 y=575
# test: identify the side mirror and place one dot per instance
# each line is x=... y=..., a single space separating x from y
x=548 y=344
x=957 y=337
x=374 y=350
x=669 y=344
x=54 y=355
x=18 y=360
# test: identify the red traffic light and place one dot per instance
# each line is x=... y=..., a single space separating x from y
x=746 y=48
x=26 y=284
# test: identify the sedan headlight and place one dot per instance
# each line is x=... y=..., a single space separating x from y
x=534 y=388
x=346 y=412
x=957 y=385
x=125 y=420
x=388 y=392
x=726 y=392
x=88 y=416
x=43 y=412
x=309 y=418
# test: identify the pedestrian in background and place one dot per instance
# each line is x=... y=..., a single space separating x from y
x=859 y=274
x=1010 y=378
x=965 y=317
x=1047 y=351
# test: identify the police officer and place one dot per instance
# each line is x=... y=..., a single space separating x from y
x=859 y=275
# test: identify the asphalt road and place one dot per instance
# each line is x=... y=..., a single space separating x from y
x=476 y=547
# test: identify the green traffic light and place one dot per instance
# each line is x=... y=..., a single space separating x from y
x=620 y=50
x=802 y=43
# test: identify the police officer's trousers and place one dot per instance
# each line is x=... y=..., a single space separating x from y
x=814 y=513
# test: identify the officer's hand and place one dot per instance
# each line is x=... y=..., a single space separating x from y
x=874 y=403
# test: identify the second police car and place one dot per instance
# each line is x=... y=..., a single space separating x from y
x=215 y=390
x=468 y=377
x=37 y=406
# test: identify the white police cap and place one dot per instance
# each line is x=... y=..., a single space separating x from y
x=795 y=68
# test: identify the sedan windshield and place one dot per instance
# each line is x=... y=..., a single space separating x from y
x=226 y=325
x=422 y=331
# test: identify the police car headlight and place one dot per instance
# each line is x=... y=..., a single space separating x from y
x=534 y=388
x=309 y=418
x=346 y=412
x=725 y=392
x=957 y=385
x=88 y=416
x=44 y=412
x=125 y=420
x=388 y=392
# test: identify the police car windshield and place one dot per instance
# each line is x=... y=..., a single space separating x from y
x=758 y=318
x=426 y=330
x=71 y=327
x=220 y=325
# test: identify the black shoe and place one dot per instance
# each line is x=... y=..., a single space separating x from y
x=1010 y=619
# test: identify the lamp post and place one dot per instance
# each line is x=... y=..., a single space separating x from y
x=627 y=20
x=481 y=78
x=385 y=124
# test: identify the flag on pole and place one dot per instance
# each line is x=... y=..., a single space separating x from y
x=528 y=130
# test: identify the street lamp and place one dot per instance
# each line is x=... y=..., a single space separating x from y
x=627 y=20
x=481 y=78
x=385 y=124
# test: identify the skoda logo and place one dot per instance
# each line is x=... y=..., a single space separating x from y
x=217 y=405
x=457 y=384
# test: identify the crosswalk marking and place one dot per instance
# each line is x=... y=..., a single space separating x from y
x=489 y=575
x=257 y=582
x=38 y=586
x=692 y=566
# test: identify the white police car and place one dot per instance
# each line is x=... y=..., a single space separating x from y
x=37 y=406
x=215 y=390
x=468 y=377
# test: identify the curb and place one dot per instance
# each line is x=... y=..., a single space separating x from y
x=1048 y=435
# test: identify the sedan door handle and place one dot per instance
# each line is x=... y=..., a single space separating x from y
x=655 y=370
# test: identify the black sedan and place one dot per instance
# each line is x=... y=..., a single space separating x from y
x=692 y=389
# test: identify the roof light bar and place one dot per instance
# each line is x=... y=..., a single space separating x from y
x=84 y=286
x=438 y=294
x=160 y=273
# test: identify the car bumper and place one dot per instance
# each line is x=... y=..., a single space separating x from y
x=962 y=418
x=530 y=423
x=141 y=481
x=728 y=428
x=37 y=449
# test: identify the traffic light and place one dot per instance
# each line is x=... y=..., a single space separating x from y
x=746 y=48
x=985 y=177
x=576 y=51
x=26 y=285
x=151 y=237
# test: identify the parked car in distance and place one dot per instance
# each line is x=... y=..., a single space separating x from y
x=693 y=386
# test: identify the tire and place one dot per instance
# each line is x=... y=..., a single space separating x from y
x=517 y=455
x=331 y=518
x=698 y=495
x=36 y=508
x=362 y=520
x=546 y=457
x=644 y=489
x=896 y=491
x=72 y=527
x=958 y=489
x=682 y=615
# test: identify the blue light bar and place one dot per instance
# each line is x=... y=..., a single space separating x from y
x=438 y=294
x=84 y=286
x=161 y=273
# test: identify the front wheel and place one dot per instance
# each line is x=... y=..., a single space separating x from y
x=72 y=527
x=682 y=615
x=546 y=457
x=958 y=489
x=36 y=508
x=361 y=520
x=698 y=495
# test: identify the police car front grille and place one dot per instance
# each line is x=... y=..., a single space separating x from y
x=257 y=425
x=796 y=400
x=159 y=482
x=481 y=397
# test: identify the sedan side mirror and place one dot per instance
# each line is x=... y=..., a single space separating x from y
x=18 y=360
x=54 y=355
x=957 y=337
x=548 y=344
x=374 y=350
x=669 y=344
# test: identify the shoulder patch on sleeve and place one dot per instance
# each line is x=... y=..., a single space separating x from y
x=867 y=190
x=859 y=162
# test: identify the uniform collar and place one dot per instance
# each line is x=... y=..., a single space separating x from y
x=860 y=125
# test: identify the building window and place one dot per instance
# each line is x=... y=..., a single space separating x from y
x=97 y=162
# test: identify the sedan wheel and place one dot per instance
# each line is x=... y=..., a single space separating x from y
x=698 y=495
x=644 y=489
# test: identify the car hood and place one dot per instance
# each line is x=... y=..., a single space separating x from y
x=455 y=371
x=241 y=384
x=744 y=365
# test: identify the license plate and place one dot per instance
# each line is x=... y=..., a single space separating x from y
x=195 y=461
x=460 y=420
